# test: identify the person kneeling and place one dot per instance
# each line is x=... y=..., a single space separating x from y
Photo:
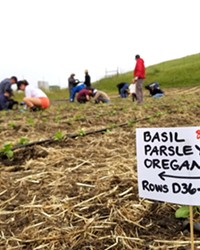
x=84 y=95
x=154 y=90
x=6 y=102
x=100 y=97
x=34 y=98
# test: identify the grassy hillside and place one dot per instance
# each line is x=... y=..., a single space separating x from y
x=183 y=72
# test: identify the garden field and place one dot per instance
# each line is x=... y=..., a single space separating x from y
x=68 y=176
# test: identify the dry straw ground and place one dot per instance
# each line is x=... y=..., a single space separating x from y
x=80 y=193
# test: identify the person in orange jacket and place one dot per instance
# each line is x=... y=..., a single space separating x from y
x=139 y=76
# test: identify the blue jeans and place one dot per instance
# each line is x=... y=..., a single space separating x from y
x=123 y=91
x=76 y=89
x=158 y=95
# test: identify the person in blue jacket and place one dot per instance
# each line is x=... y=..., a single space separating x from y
x=123 y=89
x=75 y=90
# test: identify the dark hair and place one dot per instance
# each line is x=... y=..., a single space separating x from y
x=137 y=56
x=21 y=82
x=14 y=78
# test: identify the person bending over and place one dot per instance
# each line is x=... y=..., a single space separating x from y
x=84 y=95
x=6 y=102
x=100 y=96
x=34 y=97
x=123 y=89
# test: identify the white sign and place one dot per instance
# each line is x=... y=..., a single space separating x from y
x=168 y=162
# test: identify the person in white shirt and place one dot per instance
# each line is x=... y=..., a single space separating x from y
x=132 y=90
x=34 y=97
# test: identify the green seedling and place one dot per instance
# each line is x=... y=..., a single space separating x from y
x=131 y=123
x=11 y=125
x=79 y=117
x=23 y=140
x=159 y=113
x=113 y=112
x=57 y=119
x=108 y=131
x=82 y=132
x=30 y=121
x=58 y=135
x=184 y=211
x=45 y=120
x=7 y=151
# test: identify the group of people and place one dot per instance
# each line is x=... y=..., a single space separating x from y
x=85 y=91
x=34 y=98
x=135 y=89
x=74 y=85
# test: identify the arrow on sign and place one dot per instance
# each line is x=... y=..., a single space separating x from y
x=162 y=175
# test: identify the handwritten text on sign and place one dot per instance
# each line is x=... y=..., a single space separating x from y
x=168 y=161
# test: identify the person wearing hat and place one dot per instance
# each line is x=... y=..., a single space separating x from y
x=34 y=97
x=87 y=81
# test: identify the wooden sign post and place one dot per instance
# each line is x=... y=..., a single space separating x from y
x=168 y=164
x=191 y=228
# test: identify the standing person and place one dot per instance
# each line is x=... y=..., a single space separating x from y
x=87 y=79
x=6 y=85
x=139 y=76
x=34 y=97
x=71 y=83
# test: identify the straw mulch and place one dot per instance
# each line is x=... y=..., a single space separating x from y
x=81 y=193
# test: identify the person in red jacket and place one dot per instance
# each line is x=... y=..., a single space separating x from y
x=139 y=76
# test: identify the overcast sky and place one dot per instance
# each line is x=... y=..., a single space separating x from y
x=50 y=39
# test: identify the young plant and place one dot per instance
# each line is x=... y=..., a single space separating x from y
x=30 y=121
x=23 y=140
x=58 y=135
x=57 y=119
x=7 y=151
x=184 y=211
x=11 y=124
x=82 y=132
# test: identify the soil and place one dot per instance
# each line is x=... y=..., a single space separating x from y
x=73 y=184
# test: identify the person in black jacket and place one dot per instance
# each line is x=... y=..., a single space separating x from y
x=154 y=90
x=87 y=81
x=6 y=102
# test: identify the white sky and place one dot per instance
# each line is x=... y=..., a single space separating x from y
x=50 y=39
